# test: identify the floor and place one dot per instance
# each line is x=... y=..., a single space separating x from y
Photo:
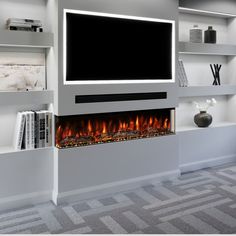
x=198 y=202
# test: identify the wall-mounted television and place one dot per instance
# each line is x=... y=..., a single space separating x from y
x=112 y=48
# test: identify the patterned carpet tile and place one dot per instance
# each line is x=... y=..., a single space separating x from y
x=195 y=203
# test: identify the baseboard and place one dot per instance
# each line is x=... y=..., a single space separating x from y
x=207 y=163
x=22 y=200
x=115 y=187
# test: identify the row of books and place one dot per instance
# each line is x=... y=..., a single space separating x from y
x=33 y=130
x=181 y=74
x=24 y=24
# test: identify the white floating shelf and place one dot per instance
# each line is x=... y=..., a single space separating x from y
x=197 y=91
x=207 y=49
x=27 y=97
x=10 y=38
x=205 y=13
x=188 y=128
x=10 y=149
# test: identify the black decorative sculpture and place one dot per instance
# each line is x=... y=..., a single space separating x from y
x=216 y=73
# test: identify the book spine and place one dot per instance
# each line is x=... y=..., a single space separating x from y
x=25 y=25
x=28 y=132
x=32 y=130
x=36 y=135
x=184 y=74
x=23 y=138
x=48 y=129
x=20 y=28
x=42 y=120
x=181 y=74
x=24 y=21
x=19 y=129
x=21 y=132
x=178 y=74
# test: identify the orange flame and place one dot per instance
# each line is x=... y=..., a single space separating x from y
x=137 y=123
x=104 y=127
x=165 y=126
x=89 y=126
x=150 y=121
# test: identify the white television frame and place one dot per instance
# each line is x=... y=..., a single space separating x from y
x=171 y=80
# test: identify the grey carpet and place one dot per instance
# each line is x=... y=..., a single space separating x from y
x=197 y=202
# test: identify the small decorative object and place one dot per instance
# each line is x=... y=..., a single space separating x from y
x=204 y=119
x=216 y=73
x=210 y=35
x=195 y=34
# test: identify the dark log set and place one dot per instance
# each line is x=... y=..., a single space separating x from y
x=82 y=130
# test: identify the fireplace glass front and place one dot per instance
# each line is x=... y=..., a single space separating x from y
x=90 y=129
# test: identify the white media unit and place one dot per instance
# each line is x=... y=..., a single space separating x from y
x=78 y=173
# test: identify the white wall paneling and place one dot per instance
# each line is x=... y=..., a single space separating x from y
x=206 y=147
x=88 y=171
x=25 y=177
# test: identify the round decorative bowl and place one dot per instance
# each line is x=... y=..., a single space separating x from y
x=203 y=119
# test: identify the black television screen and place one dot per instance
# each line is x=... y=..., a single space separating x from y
x=107 y=47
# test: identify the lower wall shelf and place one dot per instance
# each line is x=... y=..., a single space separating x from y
x=10 y=149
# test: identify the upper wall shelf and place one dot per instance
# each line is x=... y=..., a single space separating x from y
x=199 y=91
x=205 y=13
x=207 y=49
x=25 y=39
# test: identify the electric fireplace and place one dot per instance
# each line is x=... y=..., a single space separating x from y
x=90 y=129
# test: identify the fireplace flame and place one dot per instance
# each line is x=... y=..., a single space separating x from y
x=91 y=131
x=165 y=126
x=137 y=123
x=150 y=121
x=89 y=126
x=104 y=127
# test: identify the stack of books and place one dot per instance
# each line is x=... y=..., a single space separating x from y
x=24 y=25
x=181 y=74
x=33 y=130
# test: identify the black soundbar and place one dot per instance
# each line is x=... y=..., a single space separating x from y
x=119 y=97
